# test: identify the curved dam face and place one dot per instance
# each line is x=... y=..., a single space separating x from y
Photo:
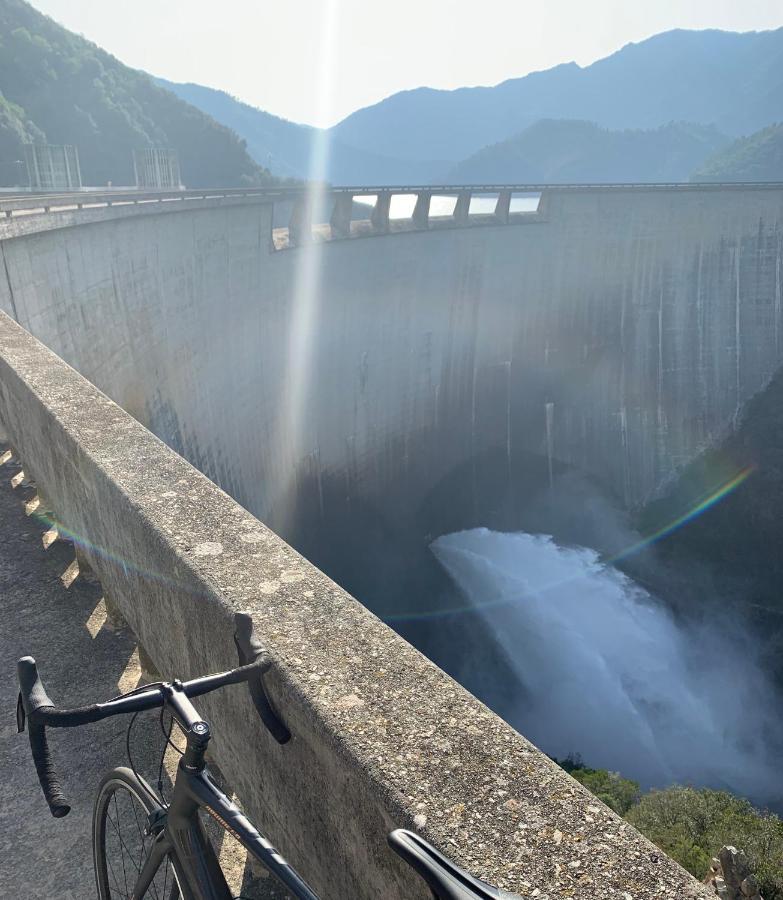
x=363 y=396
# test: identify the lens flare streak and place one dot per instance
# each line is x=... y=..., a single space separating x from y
x=703 y=504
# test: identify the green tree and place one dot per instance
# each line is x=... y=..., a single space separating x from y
x=616 y=792
x=58 y=87
x=692 y=825
x=757 y=157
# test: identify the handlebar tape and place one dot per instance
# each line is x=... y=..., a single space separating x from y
x=47 y=775
x=249 y=650
x=34 y=701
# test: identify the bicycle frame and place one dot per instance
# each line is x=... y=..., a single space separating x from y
x=177 y=831
x=181 y=833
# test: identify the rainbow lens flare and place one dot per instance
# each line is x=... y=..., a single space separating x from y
x=706 y=501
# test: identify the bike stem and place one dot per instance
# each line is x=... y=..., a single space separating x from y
x=197 y=731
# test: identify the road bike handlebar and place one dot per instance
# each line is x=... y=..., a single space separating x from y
x=35 y=708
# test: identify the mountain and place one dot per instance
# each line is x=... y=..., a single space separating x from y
x=279 y=145
x=285 y=147
x=562 y=151
x=58 y=87
x=730 y=80
x=758 y=157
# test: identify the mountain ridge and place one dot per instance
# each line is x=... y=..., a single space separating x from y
x=614 y=92
x=57 y=86
x=571 y=151
x=419 y=135
x=285 y=147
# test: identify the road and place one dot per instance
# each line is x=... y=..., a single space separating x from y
x=81 y=659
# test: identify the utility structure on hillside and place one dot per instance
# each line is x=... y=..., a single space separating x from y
x=157 y=168
x=53 y=167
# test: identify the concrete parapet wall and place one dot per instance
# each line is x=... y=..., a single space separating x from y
x=381 y=737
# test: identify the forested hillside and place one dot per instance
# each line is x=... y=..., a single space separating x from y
x=277 y=144
x=58 y=87
x=758 y=157
x=691 y=825
x=572 y=151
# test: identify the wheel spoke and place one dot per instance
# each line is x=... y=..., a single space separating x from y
x=117 y=834
x=116 y=828
x=153 y=886
x=141 y=835
x=114 y=876
x=124 y=847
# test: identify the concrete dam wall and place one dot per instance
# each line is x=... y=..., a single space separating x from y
x=363 y=396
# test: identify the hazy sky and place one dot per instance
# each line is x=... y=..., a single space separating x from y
x=315 y=61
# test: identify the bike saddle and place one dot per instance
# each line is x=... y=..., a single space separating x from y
x=445 y=880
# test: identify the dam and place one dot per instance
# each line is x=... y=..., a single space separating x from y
x=362 y=391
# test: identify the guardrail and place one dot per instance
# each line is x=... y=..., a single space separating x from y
x=337 y=206
x=49 y=202
x=381 y=736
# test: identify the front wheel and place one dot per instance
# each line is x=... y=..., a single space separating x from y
x=120 y=845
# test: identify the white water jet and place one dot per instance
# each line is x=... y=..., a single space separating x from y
x=605 y=671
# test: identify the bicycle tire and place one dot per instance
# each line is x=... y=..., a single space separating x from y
x=119 y=852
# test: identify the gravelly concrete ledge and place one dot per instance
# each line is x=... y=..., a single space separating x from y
x=382 y=737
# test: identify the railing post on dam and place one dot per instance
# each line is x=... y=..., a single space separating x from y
x=340 y=221
x=462 y=207
x=421 y=212
x=380 y=212
x=300 y=226
x=503 y=207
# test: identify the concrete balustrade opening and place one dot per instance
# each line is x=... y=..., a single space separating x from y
x=360 y=398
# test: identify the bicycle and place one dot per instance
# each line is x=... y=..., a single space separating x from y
x=166 y=854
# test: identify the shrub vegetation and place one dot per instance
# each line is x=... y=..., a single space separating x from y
x=692 y=824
